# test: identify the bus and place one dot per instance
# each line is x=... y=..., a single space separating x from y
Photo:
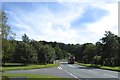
x=71 y=60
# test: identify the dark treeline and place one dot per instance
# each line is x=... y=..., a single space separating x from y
x=31 y=51
x=103 y=52
x=27 y=51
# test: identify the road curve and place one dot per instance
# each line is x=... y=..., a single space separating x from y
x=73 y=71
x=87 y=73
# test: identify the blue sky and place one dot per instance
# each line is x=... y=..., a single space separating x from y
x=90 y=15
x=67 y=22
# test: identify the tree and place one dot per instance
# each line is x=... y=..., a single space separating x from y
x=40 y=51
x=49 y=53
x=78 y=52
x=46 y=54
x=89 y=52
x=7 y=36
x=25 y=38
x=6 y=30
x=25 y=53
x=96 y=59
x=99 y=52
x=7 y=50
x=118 y=58
x=58 y=52
x=110 y=48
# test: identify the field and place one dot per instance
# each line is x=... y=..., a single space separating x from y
x=117 y=68
x=33 y=77
x=16 y=66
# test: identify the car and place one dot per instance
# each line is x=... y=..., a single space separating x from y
x=71 y=60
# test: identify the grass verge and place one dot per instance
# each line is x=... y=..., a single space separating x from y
x=28 y=67
x=34 y=77
x=100 y=67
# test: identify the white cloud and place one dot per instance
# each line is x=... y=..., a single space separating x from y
x=96 y=30
x=52 y=26
x=48 y=26
x=107 y=23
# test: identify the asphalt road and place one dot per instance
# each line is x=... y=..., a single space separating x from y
x=73 y=71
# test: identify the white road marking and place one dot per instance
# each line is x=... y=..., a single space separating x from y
x=109 y=75
x=59 y=68
x=71 y=74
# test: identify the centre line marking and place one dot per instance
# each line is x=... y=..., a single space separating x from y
x=71 y=74
x=60 y=68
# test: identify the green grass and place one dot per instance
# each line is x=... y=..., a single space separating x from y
x=87 y=65
x=101 y=67
x=111 y=68
x=28 y=67
x=17 y=66
x=28 y=76
x=35 y=77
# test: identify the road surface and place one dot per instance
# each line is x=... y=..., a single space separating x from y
x=73 y=71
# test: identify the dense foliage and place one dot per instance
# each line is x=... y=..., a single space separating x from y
x=104 y=52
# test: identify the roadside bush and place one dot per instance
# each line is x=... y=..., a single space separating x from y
x=5 y=78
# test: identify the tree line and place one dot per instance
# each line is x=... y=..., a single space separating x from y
x=28 y=51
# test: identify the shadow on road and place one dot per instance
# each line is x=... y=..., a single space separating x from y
x=64 y=63
x=85 y=67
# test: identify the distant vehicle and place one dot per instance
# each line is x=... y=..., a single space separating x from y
x=71 y=60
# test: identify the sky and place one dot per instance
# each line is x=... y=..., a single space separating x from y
x=67 y=22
